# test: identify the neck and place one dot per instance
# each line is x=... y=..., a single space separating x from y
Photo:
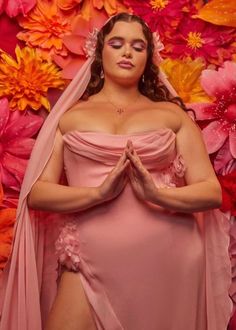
x=120 y=93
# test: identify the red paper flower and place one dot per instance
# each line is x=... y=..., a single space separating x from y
x=161 y=15
x=16 y=131
x=228 y=184
x=197 y=38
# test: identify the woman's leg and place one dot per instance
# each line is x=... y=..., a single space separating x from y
x=70 y=310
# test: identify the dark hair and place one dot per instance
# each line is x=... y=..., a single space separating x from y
x=150 y=84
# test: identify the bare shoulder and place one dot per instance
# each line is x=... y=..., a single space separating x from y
x=174 y=116
x=72 y=114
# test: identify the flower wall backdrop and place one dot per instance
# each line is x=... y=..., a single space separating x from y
x=42 y=47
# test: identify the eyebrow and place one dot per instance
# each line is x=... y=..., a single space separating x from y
x=121 y=39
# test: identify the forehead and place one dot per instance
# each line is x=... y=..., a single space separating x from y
x=127 y=30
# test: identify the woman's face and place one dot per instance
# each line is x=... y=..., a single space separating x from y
x=124 y=53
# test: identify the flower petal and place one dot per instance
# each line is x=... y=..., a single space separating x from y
x=15 y=166
x=21 y=147
x=26 y=126
x=16 y=7
x=232 y=142
x=4 y=113
x=74 y=43
x=8 y=179
x=203 y=111
x=222 y=158
x=214 y=136
x=72 y=68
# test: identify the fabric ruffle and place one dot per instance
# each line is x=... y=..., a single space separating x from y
x=67 y=247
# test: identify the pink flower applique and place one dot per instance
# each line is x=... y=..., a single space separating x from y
x=178 y=166
x=67 y=246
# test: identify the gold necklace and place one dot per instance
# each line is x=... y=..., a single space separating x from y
x=120 y=110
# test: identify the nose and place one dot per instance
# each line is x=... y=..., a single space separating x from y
x=127 y=51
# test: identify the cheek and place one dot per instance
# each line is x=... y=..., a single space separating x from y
x=108 y=54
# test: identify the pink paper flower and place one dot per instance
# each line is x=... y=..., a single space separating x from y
x=197 y=38
x=16 y=142
x=16 y=7
x=220 y=114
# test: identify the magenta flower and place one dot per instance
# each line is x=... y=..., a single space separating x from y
x=197 y=38
x=220 y=115
x=16 y=7
x=161 y=15
x=16 y=142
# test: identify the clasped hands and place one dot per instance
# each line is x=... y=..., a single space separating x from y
x=129 y=167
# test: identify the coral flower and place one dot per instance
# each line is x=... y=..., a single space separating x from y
x=16 y=142
x=75 y=42
x=16 y=7
x=161 y=15
x=26 y=81
x=45 y=26
x=186 y=80
x=219 y=12
x=111 y=7
x=196 y=38
x=220 y=114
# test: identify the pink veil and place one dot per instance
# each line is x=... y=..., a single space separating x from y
x=28 y=284
x=23 y=275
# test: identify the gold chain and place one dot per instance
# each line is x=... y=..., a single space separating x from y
x=119 y=109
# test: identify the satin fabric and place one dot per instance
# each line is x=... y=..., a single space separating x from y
x=28 y=284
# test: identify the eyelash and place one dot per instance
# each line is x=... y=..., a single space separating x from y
x=119 y=46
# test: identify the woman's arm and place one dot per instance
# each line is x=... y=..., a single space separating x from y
x=48 y=195
x=203 y=190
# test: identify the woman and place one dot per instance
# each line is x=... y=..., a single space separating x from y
x=133 y=253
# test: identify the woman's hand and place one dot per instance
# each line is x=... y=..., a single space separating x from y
x=141 y=180
x=116 y=179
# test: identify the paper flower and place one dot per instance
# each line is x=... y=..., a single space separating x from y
x=221 y=113
x=44 y=28
x=196 y=38
x=228 y=184
x=186 y=78
x=16 y=142
x=16 y=7
x=111 y=7
x=161 y=15
x=219 y=12
x=80 y=42
x=26 y=81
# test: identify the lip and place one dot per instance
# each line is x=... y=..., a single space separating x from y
x=125 y=64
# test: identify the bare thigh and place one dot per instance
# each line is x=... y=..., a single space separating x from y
x=71 y=309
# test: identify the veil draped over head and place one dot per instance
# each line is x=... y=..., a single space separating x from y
x=28 y=283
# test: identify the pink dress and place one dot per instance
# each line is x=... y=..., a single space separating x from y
x=142 y=267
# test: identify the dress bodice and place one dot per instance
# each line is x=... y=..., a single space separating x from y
x=87 y=153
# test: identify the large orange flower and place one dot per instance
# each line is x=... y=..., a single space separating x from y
x=186 y=78
x=26 y=81
x=45 y=26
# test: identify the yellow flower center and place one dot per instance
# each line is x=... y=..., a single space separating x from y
x=159 y=4
x=194 y=40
